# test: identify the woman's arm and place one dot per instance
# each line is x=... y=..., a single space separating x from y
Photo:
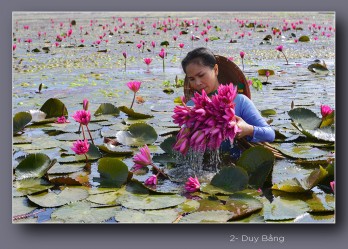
x=246 y=110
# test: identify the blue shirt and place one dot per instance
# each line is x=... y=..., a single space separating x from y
x=246 y=109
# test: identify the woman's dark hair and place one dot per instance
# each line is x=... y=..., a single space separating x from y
x=200 y=56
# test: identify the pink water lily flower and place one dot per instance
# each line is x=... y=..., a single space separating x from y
x=143 y=157
x=80 y=147
x=332 y=184
x=192 y=185
x=152 y=180
x=82 y=116
x=161 y=54
x=279 y=48
x=181 y=45
x=147 y=61
x=62 y=120
x=134 y=86
x=85 y=104
x=325 y=110
x=242 y=54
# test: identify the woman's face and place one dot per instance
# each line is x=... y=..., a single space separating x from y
x=202 y=77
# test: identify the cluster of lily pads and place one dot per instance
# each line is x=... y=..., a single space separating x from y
x=54 y=184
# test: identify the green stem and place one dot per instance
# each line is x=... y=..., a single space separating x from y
x=287 y=63
x=159 y=171
x=125 y=65
x=83 y=132
x=86 y=158
x=132 y=101
x=163 y=65
x=243 y=64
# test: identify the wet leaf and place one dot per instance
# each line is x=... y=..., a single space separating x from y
x=220 y=216
x=20 y=120
x=138 y=134
x=268 y=112
x=77 y=178
x=242 y=205
x=165 y=43
x=167 y=144
x=30 y=186
x=55 y=200
x=75 y=136
x=212 y=190
x=133 y=114
x=188 y=206
x=115 y=150
x=107 y=109
x=138 y=201
x=81 y=212
x=321 y=203
x=231 y=179
x=54 y=108
x=148 y=216
x=281 y=209
x=262 y=72
x=104 y=198
x=315 y=218
x=308 y=119
x=300 y=151
x=66 y=168
x=318 y=68
x=304 y=38
x=21 y=205
x=328 y=120
x=33 y=166
x=113 y=172
x=258 y=163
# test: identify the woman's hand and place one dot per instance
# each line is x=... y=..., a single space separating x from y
x=246 y=129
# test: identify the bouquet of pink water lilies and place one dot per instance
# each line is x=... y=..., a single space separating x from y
x=209 y=122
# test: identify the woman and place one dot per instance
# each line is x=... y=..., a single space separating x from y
x=202 y=71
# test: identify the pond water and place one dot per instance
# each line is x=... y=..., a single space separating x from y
x=72 y=73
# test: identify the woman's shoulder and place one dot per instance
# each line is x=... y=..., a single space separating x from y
x=240 y=98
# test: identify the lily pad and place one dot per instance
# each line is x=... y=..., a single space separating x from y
x=300 y=151
x=77 y=178
x=304 y=38
x=315 y=218
x=113 y=172
x=92 y=154
x=318 y=68
x=54 y=108
x=321 y=203
x=30 y=186
x=66 y=168
x=328 y=120
x=167 y=144
x=220 y=216
x=188 y=206
x=115 y=150
x=34 y=165
x=55 y=200
x=308 y=119
x=295 y=185
x=281 y=209
x=133 y=114
x=107 y=109
x=231 y=179
x=148 y=216
x=242 y=205
x=82 y=212
x=21 y=205
x=75 y=136
x=268 y=112
x=258 y=162
x=134 y=201
x=212 y=190
x=20 y=120
x=262 y=72
x=105 y=198
x=138 y=134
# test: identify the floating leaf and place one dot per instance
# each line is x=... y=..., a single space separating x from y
x=76 y=178
x=30 y=186
x=113 y=172
x=219 y=216
x=281 y=209
x=133 y=114
x=37 y=115
x=231 y=179
x=328 y=120
x=148 y=216
x=242 y=204
x=75 y=136
x=167 y=144
x=64 y=197
x=300 y=151
x=315 y=218
x=107 y=109
x=138 y=134
x=214 y=38
x=268 y=112
x=321 y=203
x=115 y=150
x=262 y=72
x=212 y=190
x=165 y=43
x=308 y=119
x=318 y=68
x=20 y=120
x=54 y=108
x=150 y=201
x=21 y=205
x=188 y=206
x=66 y=168
x=104 y=198
x=304 y=38
x=81 y=212
x=168 y=90
x=34 y=165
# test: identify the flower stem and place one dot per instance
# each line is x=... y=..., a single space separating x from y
x=287 y=63
x=86 y=158
x=163 y=65
x=159 y=171
x=83 y=132
x=125 y=65
x=132 y=101
x=243 y=64
x=90 y=134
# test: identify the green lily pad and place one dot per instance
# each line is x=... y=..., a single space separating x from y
x=92 y=154
x=133 y=114
x=281 y=209
x=134 y=201
x=77 y=178
x=328 y=120
x=318 y=68
x=54 y=108
x=74 y=127
x=105 y=198
x=167 y=144
x=30 y=186
x=21 y=205
x=212 y=190
x=148 y=216
x=308 y=119
x=138 y=134
x=258 y=162
x=168 y=90
x=66 y=168
x=262 y=72
x=188 y=206
x=268 y=112
x=252 y=219
x=34 y=165
x=82 y=212
x=304 y=38
x=300 y=152
x=326 y=134
x=165 y=43
x=113 y=172
x=75 y=136
x=294 y=185
x=231 y=179
x=55 y=200
x=315 y=218
x=220 y=216
x=107 y=109
x=20 y=120
x=321 y=203
x=242 y=205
